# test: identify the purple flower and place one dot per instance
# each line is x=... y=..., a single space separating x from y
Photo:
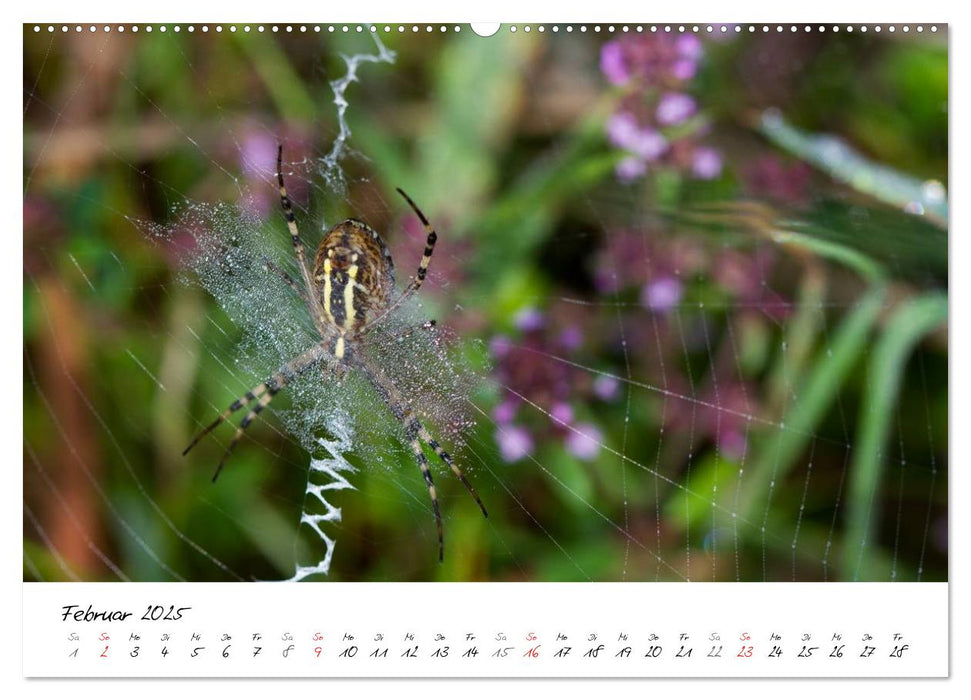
x=571 y=338
x=561 y=413
x=631 y=168
x=257 y=154
x=622 y=129
x=732 y=444
x=688 y=46
x=584 y=442
x=605 y=388
x=624 y=132
x=500 y=346
x=684 y=69
x=504 y=412
x=612 y=63
x=514 y=442
x=661 y=294
x=706 y=163
x=257 y=157
x=529 y=319
x=674 y=107
x=648 y=144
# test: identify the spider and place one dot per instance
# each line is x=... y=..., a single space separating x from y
x=347 y=292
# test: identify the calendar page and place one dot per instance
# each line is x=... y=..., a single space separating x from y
x=555 y=350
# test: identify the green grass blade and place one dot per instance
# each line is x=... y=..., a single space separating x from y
x=774 y=457
x=907 y=326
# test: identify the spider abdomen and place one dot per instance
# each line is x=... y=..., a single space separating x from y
x=353 y=275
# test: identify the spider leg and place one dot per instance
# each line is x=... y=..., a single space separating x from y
x=447 y=458
x=429 y=245
x=427 y=474
x=416 y=434
x=295 y=233
x=419 y=278
x=263 y=393
x=239 y=403
x=292 y=283
x=271 y=391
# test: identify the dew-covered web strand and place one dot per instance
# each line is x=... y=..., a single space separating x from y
x=900 y=494
x=713 y=373
x=58 y=113
x=485 y=463
x=225 y=124
x=681 y=487
x=733 y=343
x=628 y=391
x=684 y=489
x=933 y=467
x=802 y=507
x=655 y=322
x=40 y=71
x=844 y=469
x=75 y=522
x=102 y=495
x=105 y=499
x=178 y=128
x=143 y=492
x=678 y=317
x=49 y=544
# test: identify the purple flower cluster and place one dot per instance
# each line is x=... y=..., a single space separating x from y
x=662 y=266
x=525 y=365
x=664 y=269
x=659 y=266
x=652 y=124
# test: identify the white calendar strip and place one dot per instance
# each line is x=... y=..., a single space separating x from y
x=486 y=630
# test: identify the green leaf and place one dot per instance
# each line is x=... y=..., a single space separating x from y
x=907 y=326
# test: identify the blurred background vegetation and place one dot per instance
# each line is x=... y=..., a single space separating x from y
x=703 y=280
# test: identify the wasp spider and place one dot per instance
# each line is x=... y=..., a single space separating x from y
x=348 y=290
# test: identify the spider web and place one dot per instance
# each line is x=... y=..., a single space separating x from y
x=672 y=401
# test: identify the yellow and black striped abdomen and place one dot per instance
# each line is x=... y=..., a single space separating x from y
x=353 y=275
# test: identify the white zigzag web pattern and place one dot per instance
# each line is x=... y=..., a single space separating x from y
x=333 y=467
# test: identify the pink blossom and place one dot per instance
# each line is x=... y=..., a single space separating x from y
x=499 y=346
x=648 y=144
x=529 y=319
x=613 y=65
x=257 y=154
x=631 y=168
x=661 y=294
x=674 y=107
x=706 y=163
x=684 y=69
x=584 y=442
x=689 y=46
x=622 y=129
x=514 y=442
x=504 y=412
x=606 y=388
x=732 y=444
x=561 y=413
x=571 y=338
